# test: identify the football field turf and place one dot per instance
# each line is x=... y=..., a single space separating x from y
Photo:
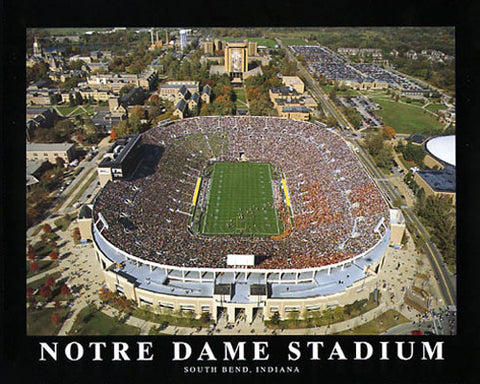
x=240 y=201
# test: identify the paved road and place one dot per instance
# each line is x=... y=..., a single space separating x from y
x=446 y=280
x=328 y=105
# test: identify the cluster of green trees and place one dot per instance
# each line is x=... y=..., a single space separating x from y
x=37 y=72
x=187 y=69
x=256 y=91
x=380 y=151
x=441 y=75
x=38 y=198
x=411 y=152
x=141 y=119
x=438 y=214
x=61 y=131
x=222 y=97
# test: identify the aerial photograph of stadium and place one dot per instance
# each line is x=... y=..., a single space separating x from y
x=241 y=181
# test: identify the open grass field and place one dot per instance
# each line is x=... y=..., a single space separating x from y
x=296 y=41
x=379 y=325
x=90 y=321
x=39 y=321
x=406 y=118
x=241 y=201
x=435 y=107
x=241 y=101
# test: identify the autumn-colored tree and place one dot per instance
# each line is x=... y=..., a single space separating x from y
x=388 y=132
x=50 y=281
x=113 y=135
x=154 y=100
x=29 y=291
x=47 y=228
x=54 y=319
x=54 y=255
x=76 y=235
x=34 y=266
x=137 y=111
x=105 y=294
x=64 y=290
x=31 y=255
x=45 y=291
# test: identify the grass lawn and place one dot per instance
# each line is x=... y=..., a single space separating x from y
x=90 y=321
x=435 y=107
x=38 y=283
x=295 y=41
x=39 y=321
x=241 y=99
x=406 y=118
x=241 y=201
x=347 y=93
x=63 y=222
x=44 y=265
x=43 y=250
x=65 y=110
x=378 y=326
x=180 y=320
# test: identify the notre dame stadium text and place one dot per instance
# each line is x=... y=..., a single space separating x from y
x=257 y=351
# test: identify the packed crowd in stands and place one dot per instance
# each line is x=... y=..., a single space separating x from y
x=335 y=204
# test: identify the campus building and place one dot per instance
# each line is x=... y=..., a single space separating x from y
x=120 y=160
x=50 y=152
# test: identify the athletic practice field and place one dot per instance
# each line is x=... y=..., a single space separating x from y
x=241 y=201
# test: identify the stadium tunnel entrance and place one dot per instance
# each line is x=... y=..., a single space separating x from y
x=234 y=312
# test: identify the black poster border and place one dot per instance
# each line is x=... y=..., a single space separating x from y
x=21 y=354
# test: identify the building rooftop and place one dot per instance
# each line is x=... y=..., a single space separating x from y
x=295 y=109
x=417 y=138
x=443 y=180
x=443 y=148
x=181 y=105
x=49 y=147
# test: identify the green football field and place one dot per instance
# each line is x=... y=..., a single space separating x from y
x=240 y=201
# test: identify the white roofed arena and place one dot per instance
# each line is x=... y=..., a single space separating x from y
x=336 y=224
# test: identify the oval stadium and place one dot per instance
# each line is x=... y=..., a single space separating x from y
x=239 y=215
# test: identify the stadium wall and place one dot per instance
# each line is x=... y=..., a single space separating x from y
x=133 y=288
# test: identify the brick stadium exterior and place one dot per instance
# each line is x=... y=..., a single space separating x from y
x=260 y=290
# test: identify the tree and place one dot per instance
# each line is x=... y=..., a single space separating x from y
x=31 y=254
x=50 y=281
x=113 y=135
x=78 y=98
x=59 y=162
x=76 y=235
x=63 y=129
x=388 y=132
x=47 y=228
x=333 y=93
x=137 y=111
x=55 y=318
x=89 y=128
x=45 y=291
x=124 y=90
x=64 y=290
x=374 y=143
x=275 y=319
x=384 y=158
x=54 y=255
x=29 y=291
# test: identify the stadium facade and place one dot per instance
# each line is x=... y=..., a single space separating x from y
x=329 y=256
